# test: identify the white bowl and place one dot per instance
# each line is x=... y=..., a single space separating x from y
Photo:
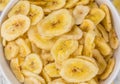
x=5 y=69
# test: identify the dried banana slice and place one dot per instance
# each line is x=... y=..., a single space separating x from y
x=38 y=40
x=90 y=59
x=71 y=3
x=46 y=76
x=63 y=48
x=11 y=50
x=103 y=32
x=79 y=51
x=36 y=14
x=76 y=33
x=96 y=15
x=56 y=23
x=58 y=81
x=78 y=70
x=47 y=58
x=24 y=49
x=14 y=64
x=92 y=81
x=89 y=43
x=109 y=69
x=22 y=7
x=31 y=80
x=107 y=21
x=100 y=61
x=79 y=13
x=51 y=70
x=53 y=4
x=102 y=46
x=30 y=74
x=114 y=42
x=87 y=25
x=83 y=2
x=14 y=27
x=33 y=63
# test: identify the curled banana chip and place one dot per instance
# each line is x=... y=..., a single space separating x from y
x=100 y=61
x=87 y=25
x=46 y=76
x=89 y=43
x=103 y=32
x=14 y=64
x=107 y=21
x=47 y=58
x=38 y=40
x=31 y=80
x=92 y=81
x=102 y=46
x=114 y=42
x=90 y=59
x=58 y=81
x=30 y=74
x=76 y=33
x=79 y=51
x=109 y=69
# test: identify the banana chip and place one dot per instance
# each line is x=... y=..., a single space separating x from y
x=100 y=61
x=107 y=21
x=22 y=7
x=14 y=64
x=15 y=27
x=87 y=25
x=32 y=63
x=96 y=15
x=109 y=69
x=36 y=14
x=11 y=50
x=51 y=70
x=71 y=3
x=114 y=42
x=103 y=32
x=104 y=48
x=89 y=43
x=83 y=2
x=46 y=76
x=79 y=13
x=77 y=70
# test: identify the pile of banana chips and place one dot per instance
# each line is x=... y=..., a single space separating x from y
x=59 y=41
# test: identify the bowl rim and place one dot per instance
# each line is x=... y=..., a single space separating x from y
x=10 y=5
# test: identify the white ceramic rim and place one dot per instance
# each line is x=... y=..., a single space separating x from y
x=9 y=75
